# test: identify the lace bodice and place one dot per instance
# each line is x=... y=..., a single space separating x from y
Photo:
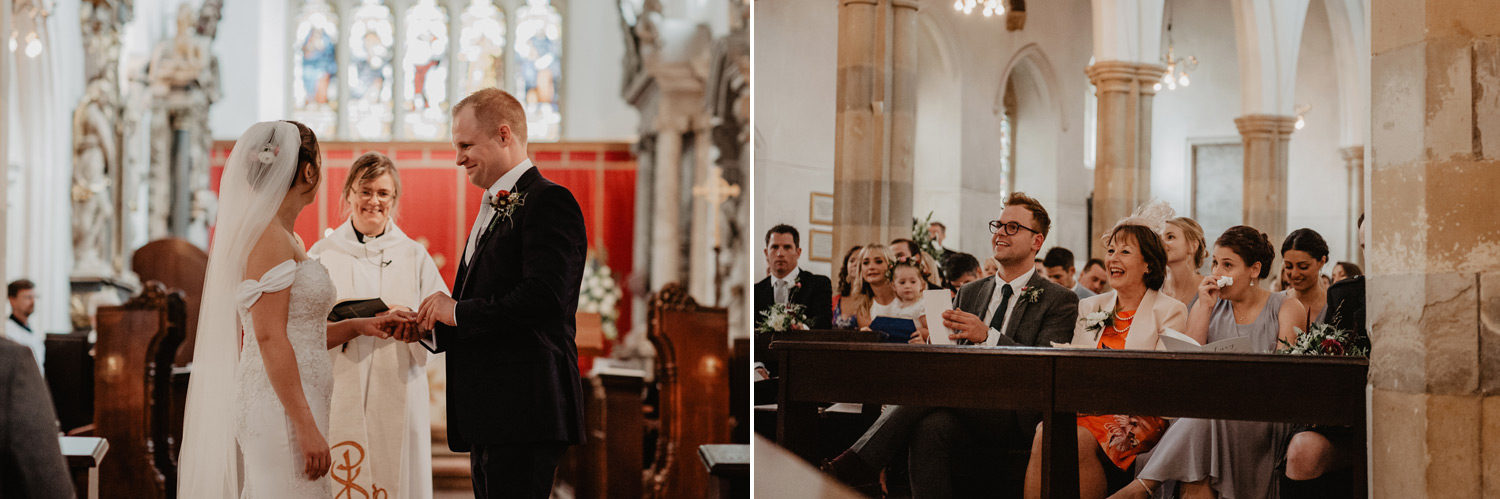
x=263 y=427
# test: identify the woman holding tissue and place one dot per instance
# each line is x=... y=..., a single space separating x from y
x=1131 y=316
x=380 y=412
x=1230 y=459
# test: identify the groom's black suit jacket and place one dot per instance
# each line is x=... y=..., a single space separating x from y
x=512 y=363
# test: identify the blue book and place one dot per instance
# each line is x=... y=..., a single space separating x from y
x=897 y=330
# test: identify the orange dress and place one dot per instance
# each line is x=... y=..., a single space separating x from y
x=1122 y=437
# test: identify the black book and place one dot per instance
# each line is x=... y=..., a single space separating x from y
x=351 y=309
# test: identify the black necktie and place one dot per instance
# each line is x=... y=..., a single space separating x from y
x=998 y=321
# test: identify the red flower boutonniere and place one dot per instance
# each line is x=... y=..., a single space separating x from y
x=1031 y=293
x=505 y=203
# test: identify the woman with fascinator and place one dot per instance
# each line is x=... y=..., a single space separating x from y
x=263 y=336
x=1132 y=316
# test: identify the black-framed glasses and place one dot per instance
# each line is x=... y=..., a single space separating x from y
x=1009 y=228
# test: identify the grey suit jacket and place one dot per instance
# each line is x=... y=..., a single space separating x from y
x=31 y=463
x=1050 y=319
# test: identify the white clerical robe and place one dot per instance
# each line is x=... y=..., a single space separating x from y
x=380 y=426
x=36 y=340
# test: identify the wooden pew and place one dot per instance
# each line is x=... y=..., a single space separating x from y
x=178 y=265
x=1062 y=383
x=692 y=363
x=137 y=343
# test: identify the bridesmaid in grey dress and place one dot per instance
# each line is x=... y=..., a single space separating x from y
x=1235 y=459
x=1303 y=255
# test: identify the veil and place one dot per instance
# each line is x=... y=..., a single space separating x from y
x=255 y=180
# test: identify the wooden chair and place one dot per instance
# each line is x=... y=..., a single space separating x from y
x=692 y=362
x=137 y=343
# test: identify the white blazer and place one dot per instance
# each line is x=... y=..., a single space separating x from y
x=1156 y=313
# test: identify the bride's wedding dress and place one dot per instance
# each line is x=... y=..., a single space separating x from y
x=273 y=467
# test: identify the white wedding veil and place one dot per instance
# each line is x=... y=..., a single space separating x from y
x=255 y=181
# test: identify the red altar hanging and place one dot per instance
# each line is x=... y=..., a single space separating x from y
x=438 y=204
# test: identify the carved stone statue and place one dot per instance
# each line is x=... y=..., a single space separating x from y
x=184 y=82
x=728 y=102
x=96 y=142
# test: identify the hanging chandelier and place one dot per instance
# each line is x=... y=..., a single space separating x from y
x=989 y=7
x=38 y=14
x=1177 y=68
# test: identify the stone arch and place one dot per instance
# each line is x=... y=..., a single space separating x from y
x=1039 y=121
x=938 y=155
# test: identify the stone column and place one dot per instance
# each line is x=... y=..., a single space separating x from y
x=1122 y=171
x=902 y=119
x=701 y=266
x=1265 y=139
x=1434 y=250
x=866 y=196
x=666 y=237
x=5 y=83
x=1354 y=163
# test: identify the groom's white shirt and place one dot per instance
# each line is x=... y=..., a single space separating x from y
x=506 y=182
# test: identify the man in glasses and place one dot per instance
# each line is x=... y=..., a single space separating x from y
x=1018 y=306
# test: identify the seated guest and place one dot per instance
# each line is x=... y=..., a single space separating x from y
x=790 y=284
x=1185 y=253
x=903 y=248
x=1303 y=254
x=1345 y=270
x=1211 y=456
x=846 y=303
x=1138 y=314
x=1059 y=267
x=1041 y=266
x=31 y=463
x=1094 y=279
x=960 y=269
x=1016 y=307
x=876 y=289
x=907 y=275
x=22 y=295
x=1316 y=450
x=989 y=267
x=937 y=231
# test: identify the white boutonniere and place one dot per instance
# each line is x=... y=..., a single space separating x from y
x=505 y=203
x=1031 y=293
x=1096 y=322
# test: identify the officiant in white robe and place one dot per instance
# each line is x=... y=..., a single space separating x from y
x=379 y=430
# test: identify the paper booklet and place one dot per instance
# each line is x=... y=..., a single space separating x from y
x=935 y=302
x=1178 y=342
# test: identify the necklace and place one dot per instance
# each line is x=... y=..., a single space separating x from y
x=1120 y=317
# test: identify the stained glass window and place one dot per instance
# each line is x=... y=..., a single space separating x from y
x=371 y=48
x=538 y=50
x=315 y=68
x=425 y=62
x=481 y=47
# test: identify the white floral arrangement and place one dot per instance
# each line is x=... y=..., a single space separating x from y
x=782 y=317
x=600 y=294
x=1095 y=322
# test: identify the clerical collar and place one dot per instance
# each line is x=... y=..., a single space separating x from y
x=20 y=322
x=361 y=236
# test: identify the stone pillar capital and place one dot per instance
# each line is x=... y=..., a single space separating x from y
x=1266 y=126
x=1121 y=76
x=1352 y=154
x=856 y=2
x=907 y=4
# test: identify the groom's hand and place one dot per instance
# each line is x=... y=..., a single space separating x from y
x=439 y=307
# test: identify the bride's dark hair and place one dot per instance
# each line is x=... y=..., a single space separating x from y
x=307 y=154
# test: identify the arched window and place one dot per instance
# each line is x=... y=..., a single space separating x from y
x=371 y=45
x=481 y=46
x=539 y=56
x=425 y=63
x=315 y=68
x=347 y=58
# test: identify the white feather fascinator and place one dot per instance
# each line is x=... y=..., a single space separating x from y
x=1152 y=215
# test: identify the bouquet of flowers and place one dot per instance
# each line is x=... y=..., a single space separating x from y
x=923 y=238
x=599 y=294
x=782 y=317
x=1323 y=339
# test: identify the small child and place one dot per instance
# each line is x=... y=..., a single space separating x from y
x=910 y=281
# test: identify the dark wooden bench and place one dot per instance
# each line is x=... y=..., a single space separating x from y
x=1061 y=383
x=728 y=466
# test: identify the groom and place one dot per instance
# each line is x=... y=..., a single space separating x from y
x=514 y=396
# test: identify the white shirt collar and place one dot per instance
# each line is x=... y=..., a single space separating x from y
x=791 y=277
x=1017 y=284
x=508 y=181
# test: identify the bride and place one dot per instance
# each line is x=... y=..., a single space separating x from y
x=263 y=334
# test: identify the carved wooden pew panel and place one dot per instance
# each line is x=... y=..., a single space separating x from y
x=137 y=344
x=693 y=358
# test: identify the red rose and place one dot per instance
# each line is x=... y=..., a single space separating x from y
x=1332 y=346
x=503 y=194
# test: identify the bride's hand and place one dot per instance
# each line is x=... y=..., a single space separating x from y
x=381 y=326
x=316 y=458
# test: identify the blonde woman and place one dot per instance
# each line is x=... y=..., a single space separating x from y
x=1186 y=250
x=380 y=401
x=876 y=288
